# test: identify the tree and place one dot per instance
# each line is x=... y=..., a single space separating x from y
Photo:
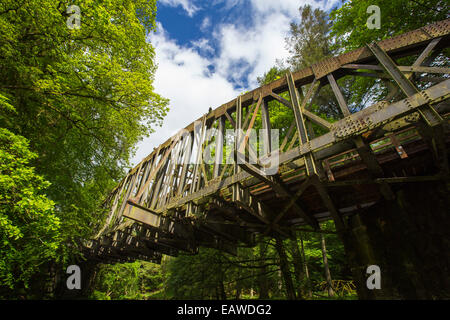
x=201 y=276
x=297 y=261
x=122 y=281
x=83 y=97
x=326 y=267
x=350 y=31
x=29 y=228
x=284 y=267
x=309 y=41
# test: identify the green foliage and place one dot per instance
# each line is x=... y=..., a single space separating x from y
x=309 y=41
x=213 y=274
x=83 y=98
x=29 y=228
x=349 y=21
x=195 y=277
x=136 y=280
x=335 y=253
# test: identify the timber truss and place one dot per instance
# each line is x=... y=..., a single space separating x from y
x=328 y=168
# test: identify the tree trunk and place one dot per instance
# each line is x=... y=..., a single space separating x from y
x=326 y=267
x=262 y=276
x=308 y=280
x=297 y=261
x=284 y=267
x=238 y=287
x=223 y=295
x=217 y=293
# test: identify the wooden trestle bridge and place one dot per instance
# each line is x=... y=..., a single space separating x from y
x=173 y=201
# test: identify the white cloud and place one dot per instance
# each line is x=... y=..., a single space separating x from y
x=187 y=5
x=183 y=77
x=257 y=48
x=206 y=24
x=210 y=72
x=203 y=45
x=254 y=50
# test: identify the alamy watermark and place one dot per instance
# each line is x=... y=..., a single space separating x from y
x=374 y=280
x=374 y=20
x=74 y=20
x=74 y=280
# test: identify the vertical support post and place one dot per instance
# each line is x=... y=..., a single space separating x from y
x=196 y=176
x=219 y=146
x=328 y=170
x=171 y=172
x=300 y=122
x=159 y=180
x=145 y=184
x=129 y=191
x=237 y=141
x=265 y=118
x=186 y=160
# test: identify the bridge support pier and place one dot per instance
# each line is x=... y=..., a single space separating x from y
x=408 y=238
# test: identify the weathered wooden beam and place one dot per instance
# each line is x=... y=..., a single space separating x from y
x=236 y=196
x=299 y=120
x=293 y=200
x=338 y=94
x=219 y=146
x=369 y=158
x=398 y=147
x=279 y=187
x=266 y=126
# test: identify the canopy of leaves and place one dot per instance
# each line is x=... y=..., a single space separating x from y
x=29 y=228
x=136 y=280
x=350 y=31
x=308 y=41
x=83 y=97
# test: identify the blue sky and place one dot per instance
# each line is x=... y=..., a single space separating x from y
x=210 y=51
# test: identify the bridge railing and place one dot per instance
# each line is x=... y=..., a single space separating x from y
x=276 y=137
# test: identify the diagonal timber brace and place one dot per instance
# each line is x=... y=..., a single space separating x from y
x=280 y=188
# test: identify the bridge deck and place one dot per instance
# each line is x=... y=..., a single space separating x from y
x=320 y=167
